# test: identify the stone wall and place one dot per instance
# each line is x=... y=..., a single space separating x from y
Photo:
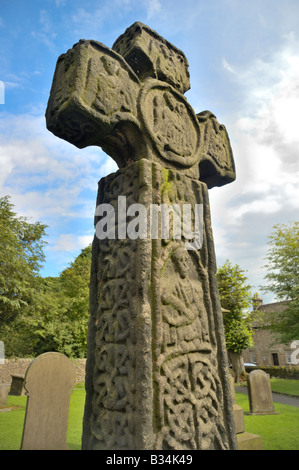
x=80 y=369
x=19 y=366
x=266 y=351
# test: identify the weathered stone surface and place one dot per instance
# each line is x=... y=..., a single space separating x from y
x=237 y=410
x=97 y=99
x=216 y=165
x=245 y=440
x=171 y=123
x=49 y=382
x=260 y=393
x=157 y=375
x=4 y=389
x=94 y=90
x=150 y=55
x=155 y=337
x=248 y=441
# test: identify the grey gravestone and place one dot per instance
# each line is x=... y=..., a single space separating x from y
x=156 y=374
x=245 y=440
x=260 y=393
x=17 y=385
x=238 y=411
x=4 y=389
x=49 y=381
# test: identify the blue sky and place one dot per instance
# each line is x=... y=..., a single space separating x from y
x=244 y=67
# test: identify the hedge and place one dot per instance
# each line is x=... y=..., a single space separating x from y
x=279 y=372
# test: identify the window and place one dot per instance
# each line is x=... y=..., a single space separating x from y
x=288 y=356
x=253 y=356
x=275 y=359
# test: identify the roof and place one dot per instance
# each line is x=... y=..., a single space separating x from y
x=268 y=309
x=274 y=307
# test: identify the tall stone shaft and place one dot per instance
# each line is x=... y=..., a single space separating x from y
x=157 y=375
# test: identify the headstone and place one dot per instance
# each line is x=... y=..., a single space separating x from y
x=260 y=393
x=238 y=411
x=245 y=440
x=4 y=389
x=157 y=375
x=17 y=385
x=249 y=441
x=49 y=381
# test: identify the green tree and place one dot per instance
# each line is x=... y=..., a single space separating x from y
x=235 y=299
x=21 y=257
x=283 y=279
x=39 y=314
x=35 y=331
x=60 y=319
x=75 y=287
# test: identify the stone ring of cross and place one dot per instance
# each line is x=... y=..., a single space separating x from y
x=172 y=124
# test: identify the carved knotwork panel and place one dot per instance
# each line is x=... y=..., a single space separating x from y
x=156 y=375
x=189 y=393
x=155 y=300
x=116 y=420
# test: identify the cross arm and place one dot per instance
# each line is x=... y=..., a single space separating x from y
x=129 y=100
x=93 y=101
x=216 y=164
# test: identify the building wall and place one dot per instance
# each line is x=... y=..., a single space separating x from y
x=266 y=352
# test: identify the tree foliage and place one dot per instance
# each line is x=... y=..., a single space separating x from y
x=58 y=320
x=66 y=328
x=39 y=314
x=21 y=257
x=283 y=262
x=235 y=298
x=283 y=279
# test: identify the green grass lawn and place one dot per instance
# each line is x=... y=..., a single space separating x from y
x=278 y=432
x=291 y=387
x=11 y=422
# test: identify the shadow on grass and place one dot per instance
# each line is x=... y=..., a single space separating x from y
x=278 y=432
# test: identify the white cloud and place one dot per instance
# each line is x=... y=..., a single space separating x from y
x=153 y=8
x=15 y=81
x=268 y=206
x=266 y=137
x=46 y=35
x=45 y=21
x=228 y=67
x=46 y=176
x=70 y=242
x=265 y=141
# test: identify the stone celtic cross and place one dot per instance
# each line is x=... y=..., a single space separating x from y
x=156 y=374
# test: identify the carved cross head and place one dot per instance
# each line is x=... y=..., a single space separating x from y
x=129 y=100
